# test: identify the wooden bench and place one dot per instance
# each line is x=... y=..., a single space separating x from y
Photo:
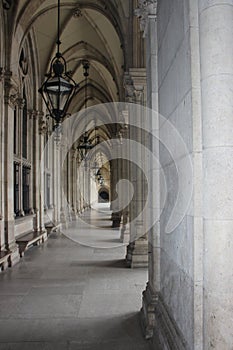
x=5 y=257
x=31 y=238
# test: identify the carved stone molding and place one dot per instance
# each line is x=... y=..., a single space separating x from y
x=43 y=122
x=43 y=126
x=33 y=114
x=6 y=4
x=145 y=8
x=77 y=13
x=20 y=102
x=11 y=95
x=129 y=88
x=1 y=73
x=74 y=154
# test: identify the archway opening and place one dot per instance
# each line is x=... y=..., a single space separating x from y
x=103 y=196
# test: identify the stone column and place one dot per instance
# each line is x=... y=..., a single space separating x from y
x=31 y=150
x=125 y=230
x=147 y=15
x=10 y=99
x=63 y=184
x=42 y=132
x=137 y=251
x=216 y=53
x=56 y=179
x=73 y=183
x=2 y=235
x=116 y=218
x=116 y=173
x=78 y=185
x=38 y=125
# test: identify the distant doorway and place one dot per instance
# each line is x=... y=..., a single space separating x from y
x=103 y=196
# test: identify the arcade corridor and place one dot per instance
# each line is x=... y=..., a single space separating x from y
x=62 y=296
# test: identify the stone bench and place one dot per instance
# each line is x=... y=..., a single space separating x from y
x=31 y=238
x=50 y=227
x=5 y=258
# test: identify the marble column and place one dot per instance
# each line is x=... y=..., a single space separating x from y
x=216 y=56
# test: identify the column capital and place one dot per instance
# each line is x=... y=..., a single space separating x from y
x=136 y=85
x=43 y=124
x=34 y=114
x=74 y=153
x=129 y=88
x=145 y=9
x=20 y=102
x=11 y=88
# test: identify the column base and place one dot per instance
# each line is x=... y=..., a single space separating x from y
x=125 y=235
x=157 y=323
x=116 y=220
x=149 y=301
x=15 y=257
x=125 y=230
x=137 y=254
x=74 y=215
x=63 y=219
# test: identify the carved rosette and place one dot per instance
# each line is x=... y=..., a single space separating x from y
x=145 y=8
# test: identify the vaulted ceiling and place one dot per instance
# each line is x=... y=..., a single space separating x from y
x=96 y=30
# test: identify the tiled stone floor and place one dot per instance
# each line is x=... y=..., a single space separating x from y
x=63 y=295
